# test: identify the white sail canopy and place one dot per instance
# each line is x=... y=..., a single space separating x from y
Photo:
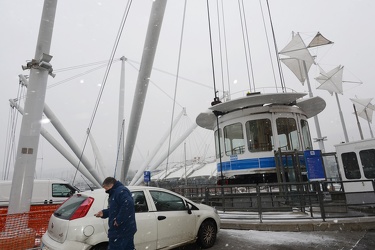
x=296 y=48
x=364 y=108
x=319 y=40
x=332 y=80
x=296 y=66
x=298 y=55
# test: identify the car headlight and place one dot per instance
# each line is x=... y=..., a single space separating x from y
x=215 y=210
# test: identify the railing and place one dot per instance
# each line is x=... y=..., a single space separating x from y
x=318 y=200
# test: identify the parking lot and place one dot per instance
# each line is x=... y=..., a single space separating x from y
x=267 y=240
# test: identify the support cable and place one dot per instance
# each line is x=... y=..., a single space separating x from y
x=212 y=53
x=248 y=45
x=268 y=45
x=276 y=50
x=104 y=81
x=10 y=153
x=105 y=62
x=168 y=73
x=225 y=48
x=216 y=99
x=156 y=86
x=220 y=50
x=175 y=88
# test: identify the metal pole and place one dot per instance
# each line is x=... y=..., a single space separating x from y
x=151 y=156
x=368 y=122
x=67 y=138
x=121 y=114
x=359 y=124
x=320 y=139
x=342 y=119
x=24 y=168
x=149 y=50
x=60 y=148
x=172 y=149
x=185 y=163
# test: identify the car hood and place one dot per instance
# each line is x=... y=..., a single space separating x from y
x=204 y=207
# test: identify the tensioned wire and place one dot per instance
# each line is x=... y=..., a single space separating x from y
x=113 y=52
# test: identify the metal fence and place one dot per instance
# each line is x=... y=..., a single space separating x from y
x=318 y=200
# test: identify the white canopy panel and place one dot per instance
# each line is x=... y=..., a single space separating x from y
x=209 y=170
x=332 y=80
x=296 y=48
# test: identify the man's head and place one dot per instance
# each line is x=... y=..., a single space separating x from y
x=108 y=183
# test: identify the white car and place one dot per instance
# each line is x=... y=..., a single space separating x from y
x=165 y=220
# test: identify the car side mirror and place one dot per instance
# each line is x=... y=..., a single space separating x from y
x=188 y=207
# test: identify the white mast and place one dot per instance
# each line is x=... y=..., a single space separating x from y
x=149 y=50
x=299 y=62
x=40 y=67
x=68 y=139
x=157 y=148
x=102 y=170
x=121 y=114
x=364 y=108
x=60 y=148
x=332 y=82
x=173 y=148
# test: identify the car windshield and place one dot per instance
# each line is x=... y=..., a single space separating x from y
x=67 y=209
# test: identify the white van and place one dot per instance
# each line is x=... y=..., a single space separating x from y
x=356 y=162
x=44 y=192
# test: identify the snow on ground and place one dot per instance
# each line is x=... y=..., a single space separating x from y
x=280 y=238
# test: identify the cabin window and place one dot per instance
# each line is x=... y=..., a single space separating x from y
x=287 y=134
x=259 y=135
x=306 y=134
x=368 y=162
x=217 y=141
x=234 y=140
x=350 y=163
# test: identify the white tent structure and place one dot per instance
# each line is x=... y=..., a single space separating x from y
x=299 y=61
x=209 y=170
x=332 y=82
x=195 y=171
x=181 y=173
x=364 y=109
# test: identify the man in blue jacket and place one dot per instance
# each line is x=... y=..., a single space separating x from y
x=120 y=214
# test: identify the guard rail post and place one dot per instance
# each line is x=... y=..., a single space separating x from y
x=259 y=203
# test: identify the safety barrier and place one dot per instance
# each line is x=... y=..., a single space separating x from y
x=24 y=231
x=319 y=200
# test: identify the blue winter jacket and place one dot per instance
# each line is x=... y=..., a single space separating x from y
x=120 y=210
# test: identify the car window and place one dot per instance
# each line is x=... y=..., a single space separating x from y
x=67 y=209
x=140 y=203
x=167 y=202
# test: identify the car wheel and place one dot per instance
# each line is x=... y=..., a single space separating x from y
x=207 y=234
x=101 y=246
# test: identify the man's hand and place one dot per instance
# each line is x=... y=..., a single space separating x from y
x=99 y=214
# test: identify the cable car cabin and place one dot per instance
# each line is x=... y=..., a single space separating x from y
x=356 y=161
x=251 y=128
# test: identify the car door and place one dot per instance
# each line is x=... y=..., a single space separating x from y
x=175 y=225
x=146 y=235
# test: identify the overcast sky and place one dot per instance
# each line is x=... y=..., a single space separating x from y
x=85 y=32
